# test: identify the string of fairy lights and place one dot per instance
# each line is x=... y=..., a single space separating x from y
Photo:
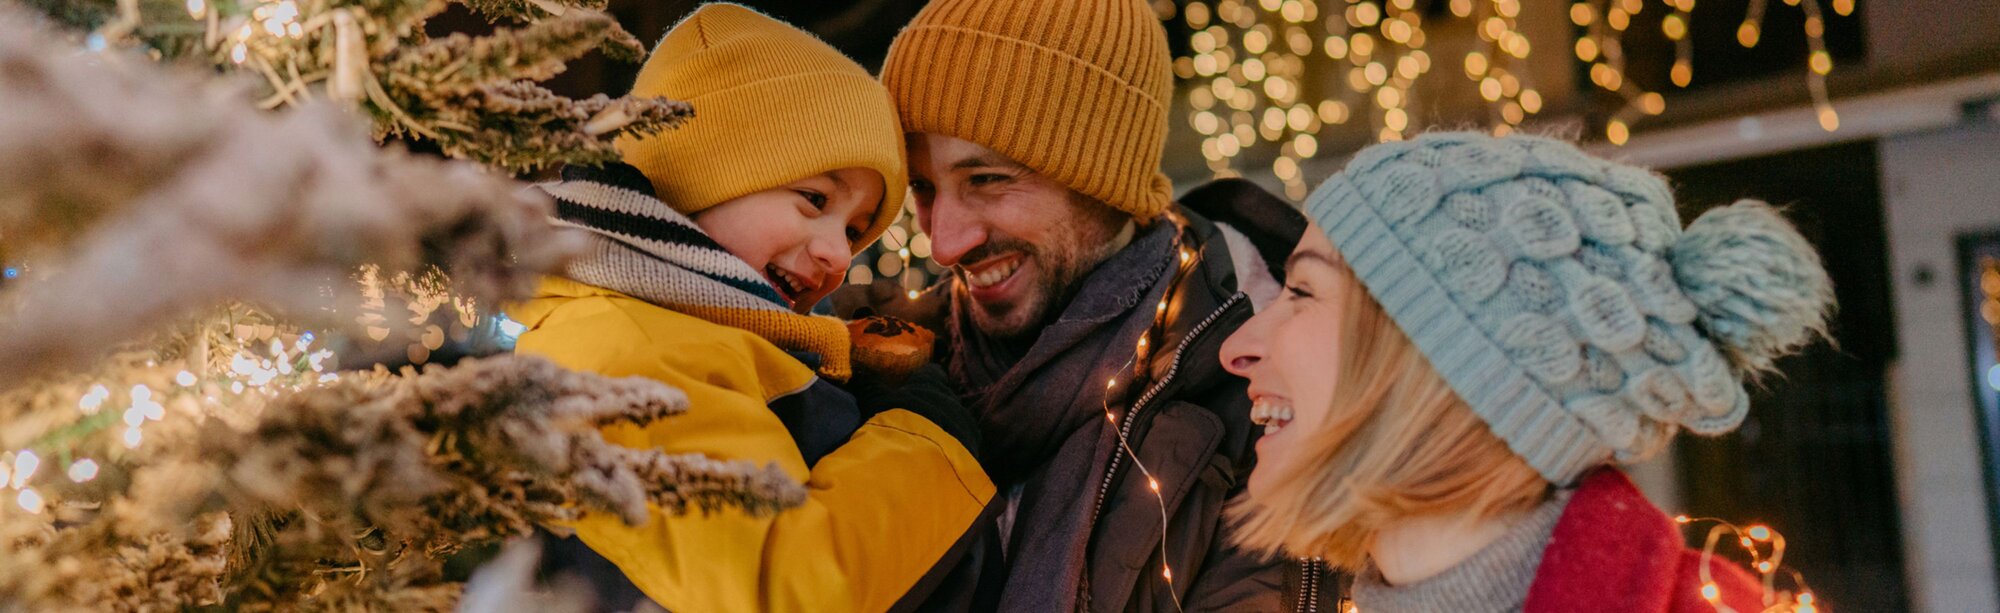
x=1250 y=75
x=1266 y=77
x=409 y=315
x=1123 y=426
x=1601 y=45
x=1766 y=551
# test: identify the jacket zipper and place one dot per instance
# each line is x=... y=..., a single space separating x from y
x=1125 y=425
x=1309 y=585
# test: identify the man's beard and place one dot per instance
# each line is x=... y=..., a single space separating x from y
x=1059 y=270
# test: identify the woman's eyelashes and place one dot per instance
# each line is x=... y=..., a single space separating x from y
x=1298 y=291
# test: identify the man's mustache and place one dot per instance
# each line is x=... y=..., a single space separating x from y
x=994 y=248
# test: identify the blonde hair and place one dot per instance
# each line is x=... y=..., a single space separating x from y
x=1398 y=443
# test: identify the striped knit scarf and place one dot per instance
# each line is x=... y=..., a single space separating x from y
x=643 y=248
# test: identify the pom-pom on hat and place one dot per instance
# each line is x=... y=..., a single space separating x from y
x=773 y=105
x=1559 y=296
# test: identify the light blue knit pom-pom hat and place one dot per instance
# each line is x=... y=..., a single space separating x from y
x=1559 y=296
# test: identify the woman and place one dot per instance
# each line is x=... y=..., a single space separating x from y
x=1502 y=319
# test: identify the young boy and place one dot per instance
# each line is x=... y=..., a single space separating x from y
x=706 y=251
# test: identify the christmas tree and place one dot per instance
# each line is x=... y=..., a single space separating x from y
x=473 y=97
x=204 y=276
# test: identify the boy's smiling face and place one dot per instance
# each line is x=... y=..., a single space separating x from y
x=801 y=235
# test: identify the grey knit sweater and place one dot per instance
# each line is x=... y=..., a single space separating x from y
x=1496 y=579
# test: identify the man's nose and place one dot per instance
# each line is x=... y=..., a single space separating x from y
x=954 y=229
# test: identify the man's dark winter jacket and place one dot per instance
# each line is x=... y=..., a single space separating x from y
x=1085 y=523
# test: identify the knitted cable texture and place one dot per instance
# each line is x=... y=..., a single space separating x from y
x=1559 y=296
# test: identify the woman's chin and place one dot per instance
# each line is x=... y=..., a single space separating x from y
x=1257 y=486
x=1272 y=451
x=1264 y=480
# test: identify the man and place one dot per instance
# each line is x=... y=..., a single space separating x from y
x=1086 y=308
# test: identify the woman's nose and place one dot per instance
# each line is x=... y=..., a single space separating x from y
x=1240 y=365
x=1242 y=350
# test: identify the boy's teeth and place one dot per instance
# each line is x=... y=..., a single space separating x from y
x=993 y=276
x=785 y=281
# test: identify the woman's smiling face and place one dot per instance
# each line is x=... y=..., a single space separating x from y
x=1289 y=353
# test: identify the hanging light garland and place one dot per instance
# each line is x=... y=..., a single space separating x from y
x=1253 y=68
x=1605 y=23
x=1499 y=65
x=1250 y=64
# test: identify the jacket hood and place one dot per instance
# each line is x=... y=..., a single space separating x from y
x=551 y=293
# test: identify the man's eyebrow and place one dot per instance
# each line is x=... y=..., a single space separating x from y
x=984 y=161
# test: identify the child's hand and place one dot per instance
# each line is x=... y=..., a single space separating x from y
x=928 y=393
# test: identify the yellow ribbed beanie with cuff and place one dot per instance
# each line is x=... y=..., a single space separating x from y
x=1075 y=89
x=773 y=104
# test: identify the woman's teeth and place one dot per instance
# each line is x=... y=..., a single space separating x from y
x=994 y=275
x=1274 y=414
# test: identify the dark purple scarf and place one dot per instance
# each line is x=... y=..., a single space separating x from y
x=1042 y=414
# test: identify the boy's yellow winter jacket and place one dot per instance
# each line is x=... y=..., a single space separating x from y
x=883 y=507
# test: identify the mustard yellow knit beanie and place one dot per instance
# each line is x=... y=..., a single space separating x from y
x=1075 y=89
x=773 y=104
